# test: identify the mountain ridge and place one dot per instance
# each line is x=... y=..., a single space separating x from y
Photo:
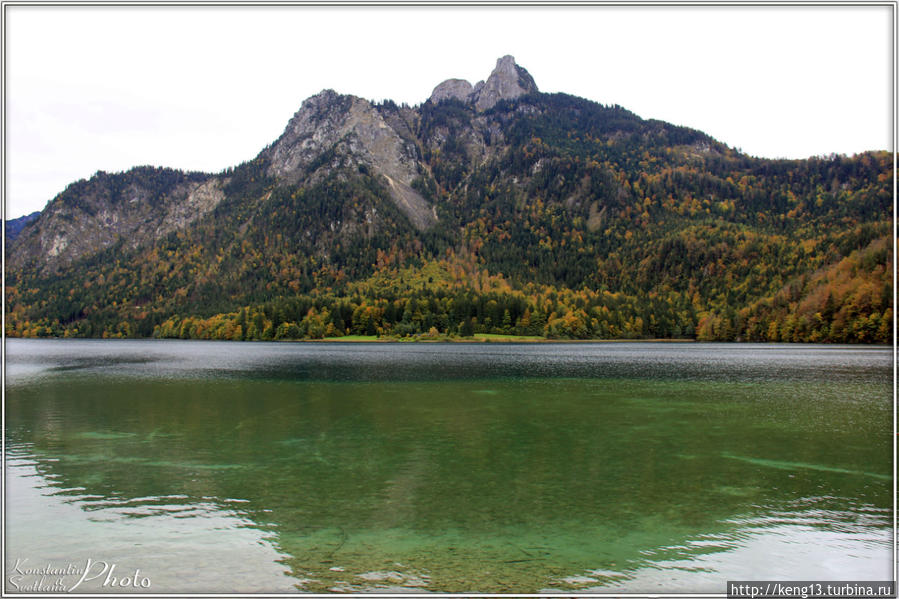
x=496 y=186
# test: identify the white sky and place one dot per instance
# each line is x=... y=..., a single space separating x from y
x=204 y=88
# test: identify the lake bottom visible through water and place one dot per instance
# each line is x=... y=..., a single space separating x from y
x=244 y=467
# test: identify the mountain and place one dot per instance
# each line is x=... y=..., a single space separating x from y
x=12 y=227
x=135 y=207
x=489 y=208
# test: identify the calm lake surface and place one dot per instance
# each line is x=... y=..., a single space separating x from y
x=616 y=467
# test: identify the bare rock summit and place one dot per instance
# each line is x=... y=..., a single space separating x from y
x=459 y=89
x=507 y=82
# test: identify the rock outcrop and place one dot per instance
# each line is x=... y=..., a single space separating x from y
x=460 y=89
x=201 y=198
x=332 y=130
x=507 y=82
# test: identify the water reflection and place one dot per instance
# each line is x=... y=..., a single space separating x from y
x=506 y=484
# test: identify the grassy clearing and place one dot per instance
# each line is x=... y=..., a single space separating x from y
x=482 y=337
x=497 y=337
x=444 y=338
x=351 y=338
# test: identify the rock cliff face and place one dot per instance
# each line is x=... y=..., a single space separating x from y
x=507 y=82
x=349 y=131
x=136 y=207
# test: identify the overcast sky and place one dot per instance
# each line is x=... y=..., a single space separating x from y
x=204 y=88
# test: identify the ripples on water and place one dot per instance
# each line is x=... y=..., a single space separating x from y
x=802 y=543
x=218 y=467
x=392 y=362
x=177 y=541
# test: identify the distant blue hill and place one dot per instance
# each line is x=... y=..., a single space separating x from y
x=13 y=227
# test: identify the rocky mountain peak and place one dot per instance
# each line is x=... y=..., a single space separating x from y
x=507 y=82
x=459 y=89
x=353 y=133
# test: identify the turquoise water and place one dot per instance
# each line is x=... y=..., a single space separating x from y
x=235 y=467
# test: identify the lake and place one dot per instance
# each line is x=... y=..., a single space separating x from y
x=190 y=466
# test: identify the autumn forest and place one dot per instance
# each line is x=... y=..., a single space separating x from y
x=556 y=218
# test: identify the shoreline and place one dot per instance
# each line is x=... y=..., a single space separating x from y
x=350 y=339
x=485 y=339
